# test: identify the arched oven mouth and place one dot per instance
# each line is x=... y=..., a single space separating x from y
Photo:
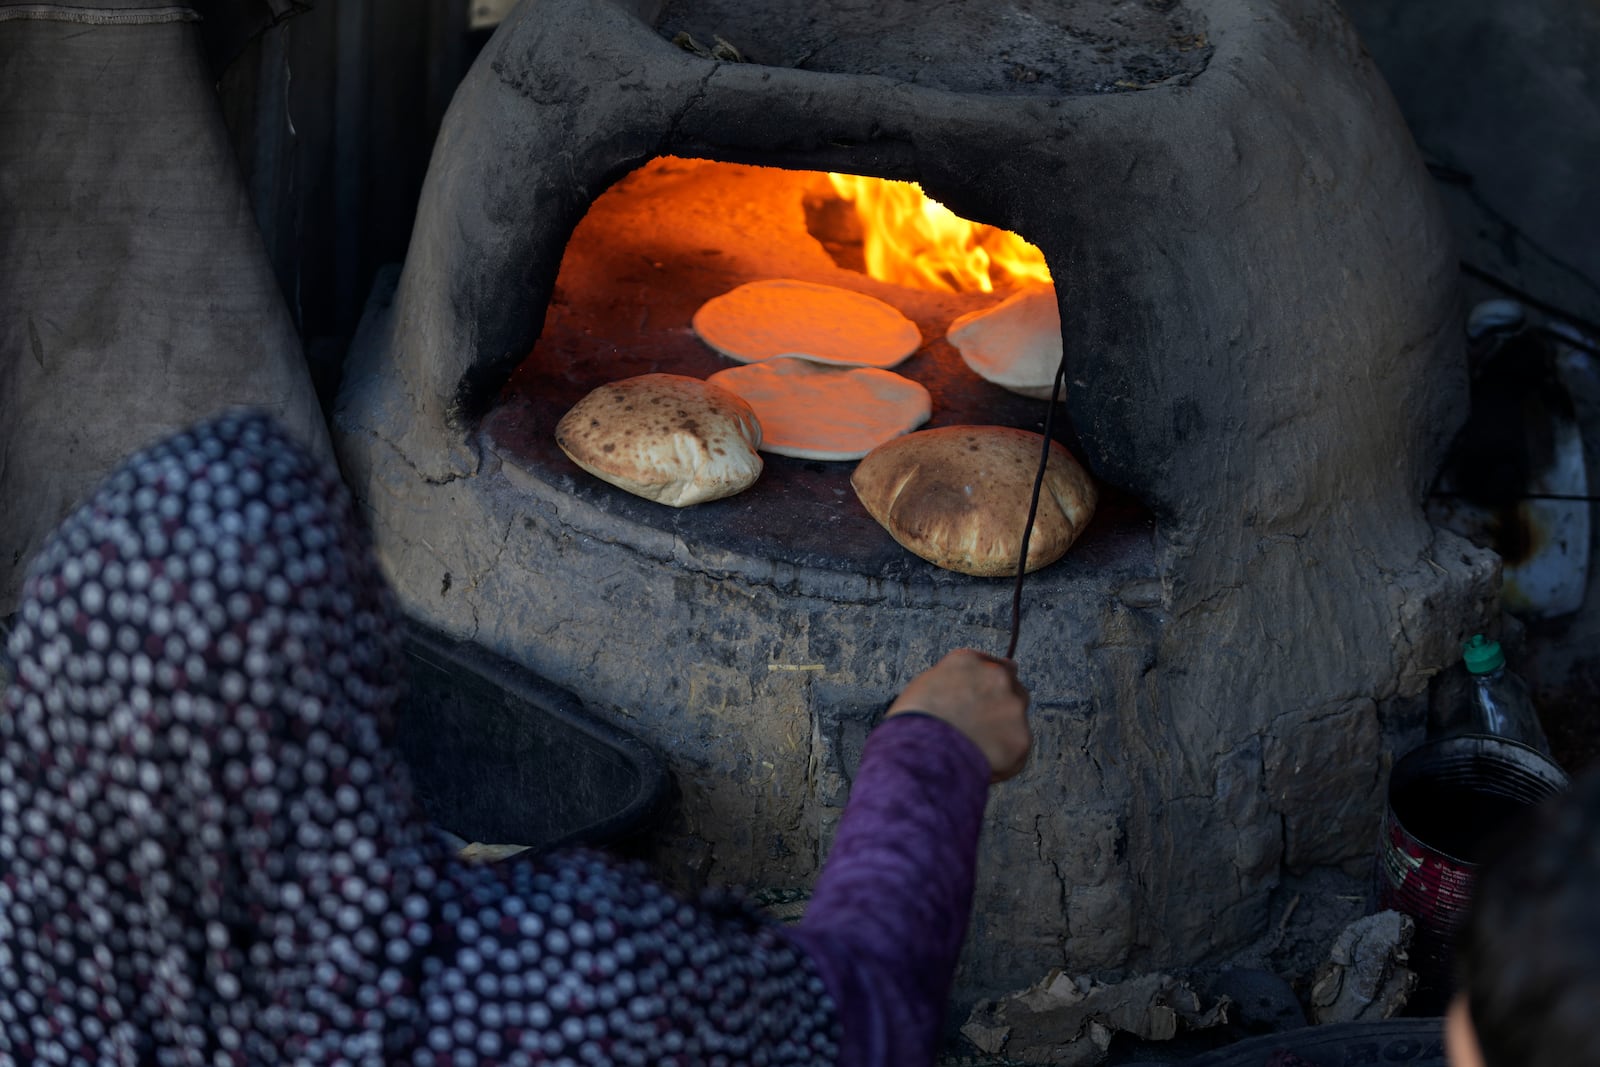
x=656 y=246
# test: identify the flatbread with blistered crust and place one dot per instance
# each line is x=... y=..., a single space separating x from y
x=958 y=497
x=666 y=437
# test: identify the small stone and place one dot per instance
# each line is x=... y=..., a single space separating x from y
x=988 y=1039
x=1364 y=977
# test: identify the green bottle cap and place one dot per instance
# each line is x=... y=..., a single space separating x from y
x=1482 y=655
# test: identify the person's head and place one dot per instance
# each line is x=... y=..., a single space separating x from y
x=206 y=832
x=1529 y=955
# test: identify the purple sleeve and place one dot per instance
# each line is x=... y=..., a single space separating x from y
x=890 y=910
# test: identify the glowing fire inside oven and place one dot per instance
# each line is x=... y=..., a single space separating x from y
x=911 y=240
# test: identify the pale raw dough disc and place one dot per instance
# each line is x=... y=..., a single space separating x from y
x=782 y=317
x=814 y=411
x=958 y=497
x=1016 y=344
x=665 y=437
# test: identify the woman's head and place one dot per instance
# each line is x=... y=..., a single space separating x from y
x=205 y=816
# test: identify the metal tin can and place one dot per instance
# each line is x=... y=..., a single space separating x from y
x=1447 y=801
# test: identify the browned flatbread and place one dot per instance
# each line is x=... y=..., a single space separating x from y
x=958 y=497
x=665 y=437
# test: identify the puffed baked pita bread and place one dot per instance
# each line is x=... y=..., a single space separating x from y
x=815 y=411
x=787 y=317
x=958 y=497
x=665 y=437
x=1016 y=344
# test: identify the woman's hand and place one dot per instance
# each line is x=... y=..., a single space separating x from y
x=979 y=695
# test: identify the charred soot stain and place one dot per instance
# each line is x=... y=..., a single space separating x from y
x=608 y=447
x=444 y=586
x=1515 y=538
x=1509 y=437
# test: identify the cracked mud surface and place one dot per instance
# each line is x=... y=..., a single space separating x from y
x=1021 y=46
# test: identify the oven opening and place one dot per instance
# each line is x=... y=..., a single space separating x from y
x=676 y=233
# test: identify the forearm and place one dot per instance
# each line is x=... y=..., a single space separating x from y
x=890 y=911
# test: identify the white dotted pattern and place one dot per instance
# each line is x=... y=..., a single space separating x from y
x=208 y=848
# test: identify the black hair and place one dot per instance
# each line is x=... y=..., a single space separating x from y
x=1529 y=953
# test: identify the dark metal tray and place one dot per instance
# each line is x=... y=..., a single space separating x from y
x=500 y=755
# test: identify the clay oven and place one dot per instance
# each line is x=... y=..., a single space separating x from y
x=1257 y=297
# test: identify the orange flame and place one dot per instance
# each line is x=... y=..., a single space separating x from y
x=911 y=240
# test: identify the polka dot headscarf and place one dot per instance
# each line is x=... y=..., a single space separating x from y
x=209 y=852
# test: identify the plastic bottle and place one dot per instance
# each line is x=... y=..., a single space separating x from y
x=1490 y=699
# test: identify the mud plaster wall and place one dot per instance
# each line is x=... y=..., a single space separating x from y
x=1258 y=293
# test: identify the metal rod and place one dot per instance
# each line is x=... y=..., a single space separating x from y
x=1033 y=504
x=1519 y=496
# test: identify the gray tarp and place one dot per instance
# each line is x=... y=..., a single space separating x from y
x=100 y=12
x=135 y=295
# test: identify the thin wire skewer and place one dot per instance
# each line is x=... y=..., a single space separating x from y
x=1033 y=505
